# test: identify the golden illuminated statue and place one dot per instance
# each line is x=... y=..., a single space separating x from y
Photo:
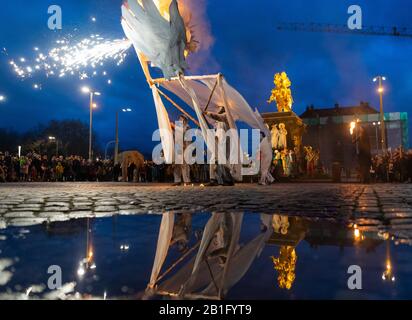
x=282 y=93
x=285 y=265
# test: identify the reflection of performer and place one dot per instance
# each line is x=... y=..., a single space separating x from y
x=182 y=231
x=220 y=262
x=181 y=169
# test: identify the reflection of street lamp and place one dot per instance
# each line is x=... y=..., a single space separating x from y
x=380 y=79
x=388 y=274
x=357 y=235
x=88 y=262
x=91 y=106
x=116 y=146
x=53 y=139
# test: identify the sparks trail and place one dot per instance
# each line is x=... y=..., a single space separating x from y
x=74 y=58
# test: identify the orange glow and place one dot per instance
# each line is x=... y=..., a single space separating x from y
x=356 y=234
x=90 y=255
x=380 y=90
x=352 y=127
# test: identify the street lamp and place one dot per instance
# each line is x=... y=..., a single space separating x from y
x=53 y=139
x=2 y=98
x=116 y=146
x=376 y=124
x=381 y=89
x=91 y=106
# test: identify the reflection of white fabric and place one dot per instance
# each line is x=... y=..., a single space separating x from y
x=241 y=260
x=163 y=243
x=195 y=275
x=162 y=42
x=166 y=134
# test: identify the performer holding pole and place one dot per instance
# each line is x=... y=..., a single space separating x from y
x=180 y=168
x=220 y=173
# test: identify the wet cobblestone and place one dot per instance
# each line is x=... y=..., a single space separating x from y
x=366 y=204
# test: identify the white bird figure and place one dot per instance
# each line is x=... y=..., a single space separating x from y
x=160 y=41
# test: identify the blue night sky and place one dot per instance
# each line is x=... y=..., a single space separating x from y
x=324 y=68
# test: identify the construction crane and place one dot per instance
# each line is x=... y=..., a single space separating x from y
x=337 y=28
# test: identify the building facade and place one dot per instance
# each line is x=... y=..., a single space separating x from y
x=328 y=130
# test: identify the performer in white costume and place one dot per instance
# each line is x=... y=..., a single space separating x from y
x=181 y=169
x=221 y=126
x=266 y=155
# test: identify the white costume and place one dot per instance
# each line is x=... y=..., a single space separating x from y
x=181 y=169
x=282 y=144
x=266 y=155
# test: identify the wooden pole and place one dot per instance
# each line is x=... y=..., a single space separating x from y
x=178 y=107
x=211 y=95
x=160 y=80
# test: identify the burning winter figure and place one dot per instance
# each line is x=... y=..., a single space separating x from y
x=163 y=39
x=156 y=39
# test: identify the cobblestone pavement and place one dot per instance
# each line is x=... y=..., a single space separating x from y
x=370 y=206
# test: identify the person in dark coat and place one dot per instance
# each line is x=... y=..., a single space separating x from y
x=363 y=152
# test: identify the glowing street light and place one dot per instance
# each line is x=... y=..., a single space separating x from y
x=92 y=105
x=116 y=146
x=54 y=139
x=376 y=124
x=2 y=98
x=381 y=89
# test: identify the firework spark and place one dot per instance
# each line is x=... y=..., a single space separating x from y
x=74 y=58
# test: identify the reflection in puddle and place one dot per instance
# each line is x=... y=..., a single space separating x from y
x=205 y=256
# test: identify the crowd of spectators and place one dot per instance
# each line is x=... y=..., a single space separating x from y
x=41 y=168
x=393 y=166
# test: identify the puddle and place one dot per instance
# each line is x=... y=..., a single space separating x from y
x=205 y=256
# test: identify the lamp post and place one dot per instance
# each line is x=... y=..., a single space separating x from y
x=107 y=146
x=380 y=79
x=116 y=145
x=376 y=124
x=91 y=106
x=53 y=139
